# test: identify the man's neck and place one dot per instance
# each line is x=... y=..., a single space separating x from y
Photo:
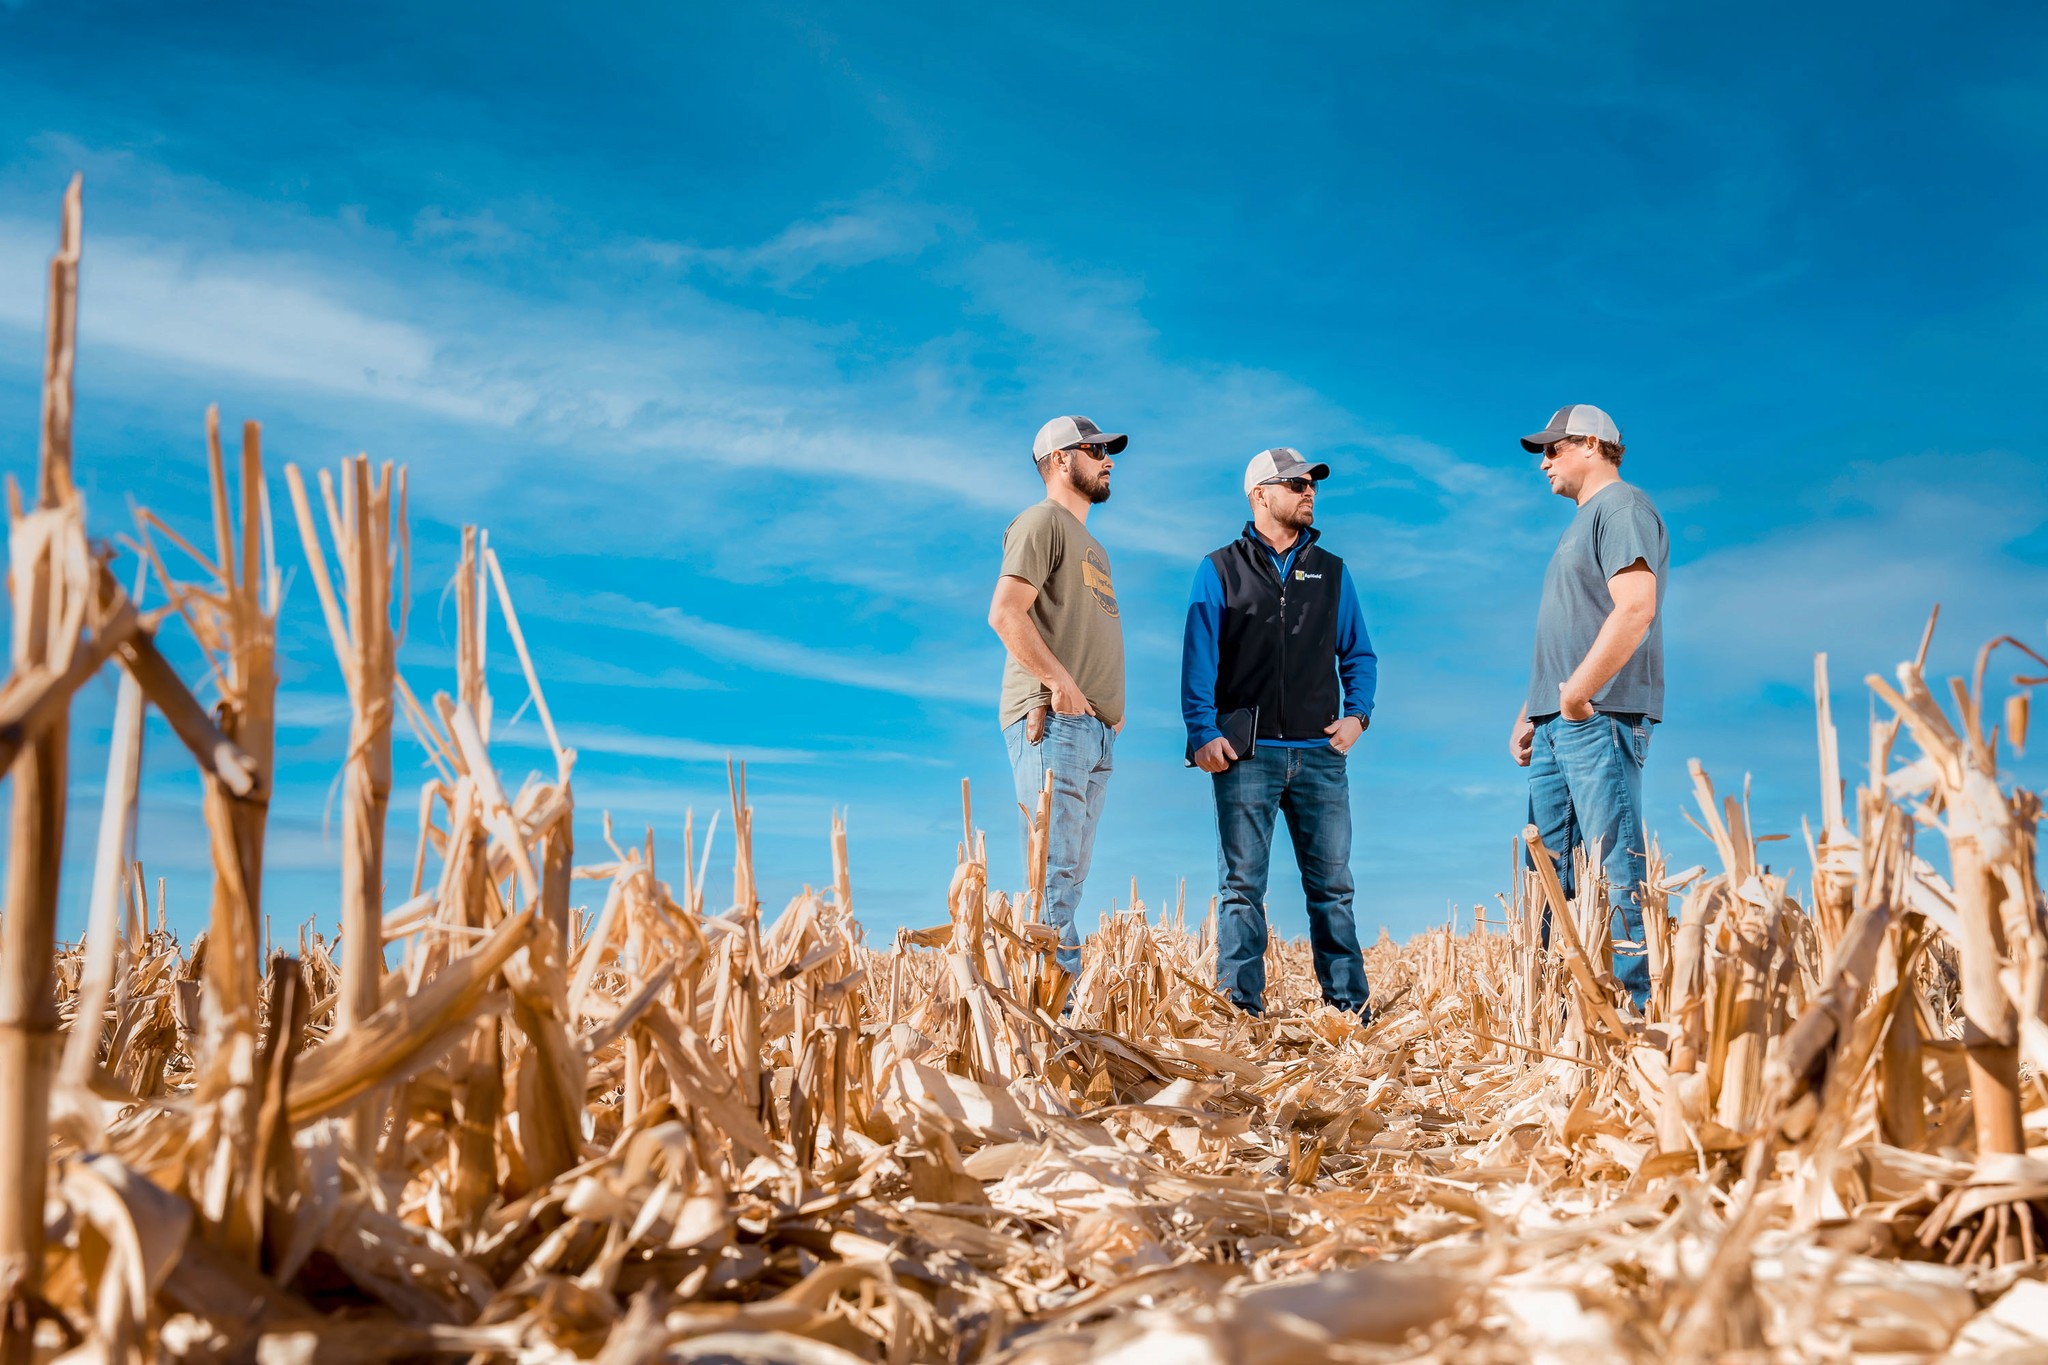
x=1073 y=499
x=1599 y=479
x=1281 y=538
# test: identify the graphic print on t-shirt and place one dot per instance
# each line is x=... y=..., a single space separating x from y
x=1095 y=573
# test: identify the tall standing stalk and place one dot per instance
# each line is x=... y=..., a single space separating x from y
x=480 y=1076
x=52 y=587
x=366 y=647
x=1985 y=839
x=110 y=881
x=559 y=848
x=234 y=619
x=234 y=1181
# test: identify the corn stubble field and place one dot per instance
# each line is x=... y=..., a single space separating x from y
x=621 y=1121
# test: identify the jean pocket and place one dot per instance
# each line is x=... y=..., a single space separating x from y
x=1638 y=739
x=1073 y=734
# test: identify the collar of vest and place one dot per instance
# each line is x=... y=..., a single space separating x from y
x=1251 y=535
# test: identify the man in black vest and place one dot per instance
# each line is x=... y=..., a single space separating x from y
x=1276 y=648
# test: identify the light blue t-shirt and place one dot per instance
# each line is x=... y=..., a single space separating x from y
x=1613 y=529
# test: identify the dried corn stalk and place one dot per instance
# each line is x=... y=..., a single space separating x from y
x=361 y=522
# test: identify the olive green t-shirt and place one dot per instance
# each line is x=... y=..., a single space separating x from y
x=1049 y=548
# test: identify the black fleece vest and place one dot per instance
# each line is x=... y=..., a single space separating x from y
x=1278 y=649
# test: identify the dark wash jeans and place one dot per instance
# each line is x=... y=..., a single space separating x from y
x=1586 y=783
x=1310 y=787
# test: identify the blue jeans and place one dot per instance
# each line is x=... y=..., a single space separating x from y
x=1586 y=783
x=1311 y=788
x=1078 y=751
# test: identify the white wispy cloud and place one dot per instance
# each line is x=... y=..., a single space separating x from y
x=311 y=710
x=694 y=385
x=923 y=678
x=248 y=315
x=573 y=669
x=622 y=742
x=885 y=230
x=1858 y=573
x=1088 y=313
x=482 y=233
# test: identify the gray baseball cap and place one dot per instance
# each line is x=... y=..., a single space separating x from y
x=1575 y=419
x=1281 y=462
x=1062 y=432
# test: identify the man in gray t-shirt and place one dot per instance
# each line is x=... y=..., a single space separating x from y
x=1596 y=683
x=1063 y=683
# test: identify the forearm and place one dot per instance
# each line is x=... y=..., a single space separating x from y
x=1028 y=647
x=1620 y=635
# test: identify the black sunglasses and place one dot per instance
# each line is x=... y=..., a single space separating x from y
x=1291 y=485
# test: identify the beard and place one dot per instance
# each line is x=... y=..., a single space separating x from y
x=1095 y=489
x=1301 y=518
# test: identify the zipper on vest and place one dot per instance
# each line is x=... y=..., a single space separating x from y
x=1281 y=719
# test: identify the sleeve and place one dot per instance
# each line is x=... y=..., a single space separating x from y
x=1627 y=533
x=1357 y=666
x=1199 y=652
x=1031 y=548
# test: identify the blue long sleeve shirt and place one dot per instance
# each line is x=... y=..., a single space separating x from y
x=1357 y=666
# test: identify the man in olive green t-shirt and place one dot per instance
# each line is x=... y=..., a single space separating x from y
x=1063 y=683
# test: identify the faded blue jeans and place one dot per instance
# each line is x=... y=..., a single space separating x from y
x=1079 y=751
x=1311 y=788
x=1586 y=783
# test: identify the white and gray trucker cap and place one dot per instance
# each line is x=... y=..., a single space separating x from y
x=1281 y=462
x=1063 y=432
x=1575 y=419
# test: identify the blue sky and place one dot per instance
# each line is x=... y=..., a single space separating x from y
x=733 y=324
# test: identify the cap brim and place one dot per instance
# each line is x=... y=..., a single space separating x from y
x=1111 y=441
x=1536 y=442
x=1319 y=472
